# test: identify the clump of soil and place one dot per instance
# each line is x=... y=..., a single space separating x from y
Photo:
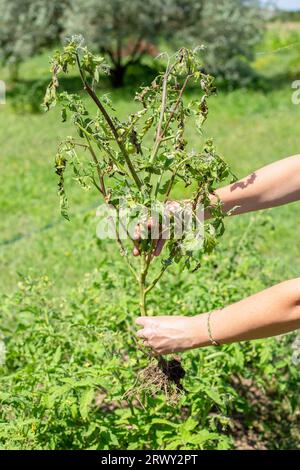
x=159 y=376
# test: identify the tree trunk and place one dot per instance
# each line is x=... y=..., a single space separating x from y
x=117 y=76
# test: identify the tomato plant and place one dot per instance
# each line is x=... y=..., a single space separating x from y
x=138 y=161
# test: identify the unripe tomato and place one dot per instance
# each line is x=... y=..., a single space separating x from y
x=130 y=148
x=121 y=132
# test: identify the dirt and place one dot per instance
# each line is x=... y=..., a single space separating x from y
x=260 y=427
x=159 y=376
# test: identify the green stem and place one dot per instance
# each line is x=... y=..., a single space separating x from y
x=110 y=155
x=158 y=183
x=100 y=174
x=142 y=284
x=155 y=281
x=123 y=251
x=162 y=271
x=161 y=133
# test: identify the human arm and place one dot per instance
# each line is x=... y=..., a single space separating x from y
x=273 y=185
x=271 y=312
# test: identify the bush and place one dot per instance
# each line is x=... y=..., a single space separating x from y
x=27 y=98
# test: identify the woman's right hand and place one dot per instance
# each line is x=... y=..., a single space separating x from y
x=158 y=243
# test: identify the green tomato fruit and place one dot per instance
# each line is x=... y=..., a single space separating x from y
x=130 y=148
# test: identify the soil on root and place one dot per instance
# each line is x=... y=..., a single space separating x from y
x=159 y=376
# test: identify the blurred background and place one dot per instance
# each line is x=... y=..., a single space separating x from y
x=252 y=49
x=57 y=279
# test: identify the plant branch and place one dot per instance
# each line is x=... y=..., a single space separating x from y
x=176 y=104
x=100 y=174
x=102 y=190
x=161 y=133
x=110 y=123
x=162 y=113
x=172 y=179
x=160 y=274
x=155 y=281
x=110 y=154
x=124 y=253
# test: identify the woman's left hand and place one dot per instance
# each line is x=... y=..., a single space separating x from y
x=169 y=334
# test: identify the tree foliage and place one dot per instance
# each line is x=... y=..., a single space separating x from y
x=26 y=26
x=230 y=29
x=125 y=30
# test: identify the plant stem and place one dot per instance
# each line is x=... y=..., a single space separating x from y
x=162 y=271
x=119 y=241
x=110 y=123
x=161 y=133
x=142 y=284
x=123 y=251
x=155 y=281
x=174 y=174
x=143 y=308
x=100 y=174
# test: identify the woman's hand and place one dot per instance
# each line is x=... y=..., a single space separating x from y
x=169 y=334
x=272 y=312
x=171 y=208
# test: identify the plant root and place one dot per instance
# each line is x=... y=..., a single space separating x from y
x=159 y=376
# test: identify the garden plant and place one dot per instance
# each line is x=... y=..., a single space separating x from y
x=131 y=173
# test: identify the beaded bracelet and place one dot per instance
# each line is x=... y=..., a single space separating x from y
x=212 y=340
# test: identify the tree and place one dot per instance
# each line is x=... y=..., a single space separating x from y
x=125 y=30
x=25 y=27
x=230 y=29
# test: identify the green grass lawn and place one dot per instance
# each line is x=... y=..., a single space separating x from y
x=250 y=128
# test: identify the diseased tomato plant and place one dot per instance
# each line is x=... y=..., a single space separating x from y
x=119 y=159
x=138 y=161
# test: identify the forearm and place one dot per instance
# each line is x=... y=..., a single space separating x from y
x=273 y=185
x=271 y=312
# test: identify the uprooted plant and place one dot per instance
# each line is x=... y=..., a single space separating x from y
x=136 y=163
